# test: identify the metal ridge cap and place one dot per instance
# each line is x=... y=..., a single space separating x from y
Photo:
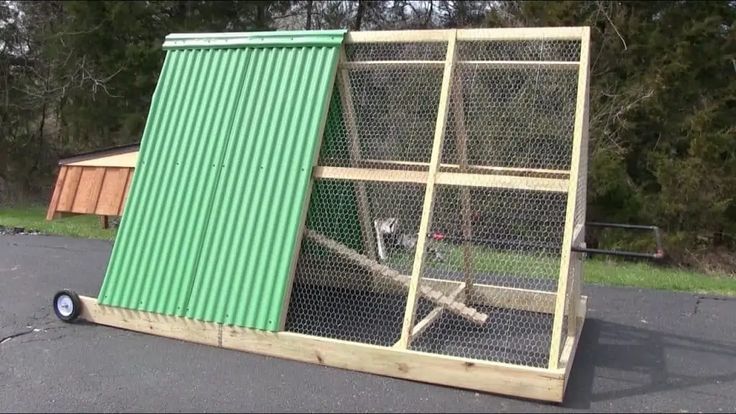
x=272 y=38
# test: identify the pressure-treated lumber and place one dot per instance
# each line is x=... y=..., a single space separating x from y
x=428 y=207
x=485 y=376
x=434 y=296
x=521 y=64
x=346 y=98
x=396 y=64
x=370 y=174
x=502 y=34
x=489 y=168
x=521 y=33
x=567 y=355
x=461 y=134
x=565 y=273
x=433 y=315
x=504 y=64
x=559 y=185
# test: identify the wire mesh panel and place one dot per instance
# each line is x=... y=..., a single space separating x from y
x=515 y=243
x=490 y=267
x=505 y=115
x=382 y=112
x=340 y=291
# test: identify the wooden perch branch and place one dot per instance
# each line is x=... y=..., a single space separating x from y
x=426 y=292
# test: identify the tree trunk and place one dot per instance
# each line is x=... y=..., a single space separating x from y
x=359 y=15
x=309 y=15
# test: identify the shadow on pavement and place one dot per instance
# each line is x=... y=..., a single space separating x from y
x=636 y=360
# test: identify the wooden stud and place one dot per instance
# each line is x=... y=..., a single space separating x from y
x=439 y=137
x=567 y=355
x=104 y=222
x=501 y=34
x=484 y=168
x=398 y=36
x=346 y=98
x=565 y=273
x=444 y=178
x=51 y=212
x=461 y=134
x=522 y=33
x=520 y=64
x=422 y=325
x=385 y=64
x=484 y=376
x=305 y=203
x=367 y=174
x=558 y=185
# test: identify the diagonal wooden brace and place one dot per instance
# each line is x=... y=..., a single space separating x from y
x=434 y=296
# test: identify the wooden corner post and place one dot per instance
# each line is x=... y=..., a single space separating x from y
x=572 y=199
x=439 y=137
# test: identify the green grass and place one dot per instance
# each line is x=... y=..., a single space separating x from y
x=596 y=271
x=644 y=275
x=34 y=218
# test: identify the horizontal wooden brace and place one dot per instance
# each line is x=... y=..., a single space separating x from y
x=521 y=64
x=397 y=36
x=508 y=34
x=504 y=64
x=382 y=64
x=485 y=376
x=558 y=185
x=521 y=33
x=370 y=174
x=443 y=178
x=470 y=168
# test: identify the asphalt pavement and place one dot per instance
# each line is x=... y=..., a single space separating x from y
x=641 y=350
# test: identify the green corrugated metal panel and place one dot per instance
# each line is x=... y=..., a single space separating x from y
x=213 y=213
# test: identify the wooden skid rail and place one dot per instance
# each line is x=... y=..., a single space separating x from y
x=434 y=296
x=486 y=376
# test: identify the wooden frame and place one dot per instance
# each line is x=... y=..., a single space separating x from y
x=545 y=383
x=493 y=377
x=562 y=309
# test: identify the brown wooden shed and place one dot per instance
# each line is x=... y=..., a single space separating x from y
x=95 y=182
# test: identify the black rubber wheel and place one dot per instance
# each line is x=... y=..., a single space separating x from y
x=67 y=305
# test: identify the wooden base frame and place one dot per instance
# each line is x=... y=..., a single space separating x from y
x=492 y=377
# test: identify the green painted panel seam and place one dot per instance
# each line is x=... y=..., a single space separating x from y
x=213 y=191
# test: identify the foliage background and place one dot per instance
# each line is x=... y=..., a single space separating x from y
x=77 y=76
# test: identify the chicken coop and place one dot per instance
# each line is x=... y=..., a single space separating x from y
x=403 y=203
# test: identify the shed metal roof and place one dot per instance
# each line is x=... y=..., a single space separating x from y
x=217 y=199
x=99 y=153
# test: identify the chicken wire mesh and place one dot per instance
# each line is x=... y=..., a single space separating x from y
x=510 y=117
x=515 y=241
x=343 y=288
x=484 y=245
x=382 y=117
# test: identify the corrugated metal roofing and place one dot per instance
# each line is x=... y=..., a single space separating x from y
x=225 y=162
